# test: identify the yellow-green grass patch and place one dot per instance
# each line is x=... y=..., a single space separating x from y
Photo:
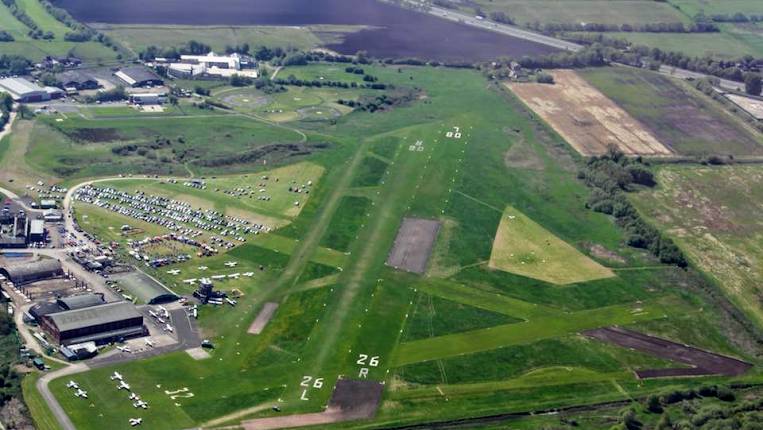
x=524 y=247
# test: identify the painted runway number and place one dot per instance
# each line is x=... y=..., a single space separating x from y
x=365 y=359
x=308 y=382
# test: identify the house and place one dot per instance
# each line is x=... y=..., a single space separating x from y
x=138 y=76
x=76 y=80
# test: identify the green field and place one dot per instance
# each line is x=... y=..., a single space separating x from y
x=525 y=248
x=24 y=45
x=297 y=103
x=677 y=115
x=712 y=7
x=712 y=214
x=462 y=341
x=138 y=37
x=591 y=11
x=732 y=43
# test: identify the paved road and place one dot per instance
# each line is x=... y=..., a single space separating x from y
x=7 y=129
x=50 y=399
x=509 y=30
x=685 y=74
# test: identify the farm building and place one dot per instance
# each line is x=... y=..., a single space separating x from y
x=138 y=76
x=26 y=273
x=100 y=324
x=76 y=80
x=148 y=98
x=24 y=91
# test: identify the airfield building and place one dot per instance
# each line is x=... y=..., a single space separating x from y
x=21 y=274
x=213 y=65
x=138 y=76
x=75 y=80
x=24 y=91
x=148 y=98
x=100 y=324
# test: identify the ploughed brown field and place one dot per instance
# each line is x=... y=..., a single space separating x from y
x=586 y=118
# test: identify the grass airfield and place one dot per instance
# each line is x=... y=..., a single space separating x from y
x=340 y=305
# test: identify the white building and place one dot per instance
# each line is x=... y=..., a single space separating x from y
x=148 y=98
x=211 y=64
x=24 y=91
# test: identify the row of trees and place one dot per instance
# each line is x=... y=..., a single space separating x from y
x=612 y=175
x=663 y=27
x=34 y=30
x=6 y=103
x=14 y=64
x=6 y=37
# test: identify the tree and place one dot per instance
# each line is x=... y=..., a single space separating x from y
x=544 y=78
x=653 y=404
x=753 y=84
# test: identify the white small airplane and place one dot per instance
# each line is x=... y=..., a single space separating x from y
x=136 y=421
x=173 y=272
x=124 y=348
x=216 y=277
x=116 y=376
x=231 y=302
x=234 y=275
x=248 y=274
x=153 y=314
x=149 y=343
x=202 y=267
x=134 y=396
x=140 y=404
x=190 y=281
x=169 y=328
x=72 y=384
x=81 y=393
x=231 y=264
x=123 y=386
x=161 y=320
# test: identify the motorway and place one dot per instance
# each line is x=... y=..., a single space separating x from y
x=506 y=29
x=514 y=31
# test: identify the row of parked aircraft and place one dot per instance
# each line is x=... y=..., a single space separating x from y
x=162 y=316
x=78 y=392
x=137 y=402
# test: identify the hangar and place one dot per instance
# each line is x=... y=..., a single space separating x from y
x=100 y=324
x=26 y=273
x=76 y=80
x=145 y=288
x=24 y=91
x=138 y=76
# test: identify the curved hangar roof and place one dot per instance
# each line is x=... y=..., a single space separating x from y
x=25 y=273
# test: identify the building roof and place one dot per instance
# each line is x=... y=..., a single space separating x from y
x=94 y=315
x=137 y=74
x=20 y=86
x=37 y=226
x=80 y=301
x=74 y=76
x=28 y=272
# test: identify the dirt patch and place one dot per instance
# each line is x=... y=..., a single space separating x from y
x=263 y=318
x=585 y=118
x=599 y=251
x=702 y=362
x=521 y=155
x=94 y=134
x=413 y=245
x=198 y=353
x=351 y=400
x=272 y=154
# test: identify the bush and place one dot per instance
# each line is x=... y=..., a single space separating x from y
x=544 y=78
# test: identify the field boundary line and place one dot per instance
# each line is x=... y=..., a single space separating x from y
x=479 y=201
